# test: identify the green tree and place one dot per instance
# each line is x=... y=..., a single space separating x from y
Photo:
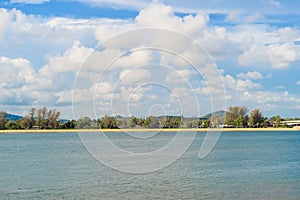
x=108 y=122
x=206 y=123
x=130 y=123
x=104 y=122
x=256 y=118
x=95 y=124
x=236 y=115
x=238 y=122
x=3 y=120
x=277 y=121
x=215 y=121
x=32 y=117
x=122 y=123
x=172 y=122
x=83 y=123
x=39 y=118
x=12 y=125
x=266 y=122
x=195 y=123
x=285 y=125
x=44 y=120
x=69 y=125
x=154 y=122
x=24 y=123
x=54 y=118
x=148 y=121
x=134 y=121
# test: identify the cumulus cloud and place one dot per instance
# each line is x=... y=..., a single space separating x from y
x=129 y=77
x=254 y=75
x=15 y=73
x=278 y=55
x=178 y=76
x=239 y=84
x=64 y=44
x=288 y=34
x=4 y=21
x=134 y=59
x=161 y=16
x=264 y=97
x=282 y=55
x=215 y=41
x=71 y=60
x=21 y=35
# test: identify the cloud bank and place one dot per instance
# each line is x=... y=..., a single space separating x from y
x=40 y=59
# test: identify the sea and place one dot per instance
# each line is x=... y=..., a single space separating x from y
x=242 y=165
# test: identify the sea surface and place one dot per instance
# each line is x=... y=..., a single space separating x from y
x=243 y=165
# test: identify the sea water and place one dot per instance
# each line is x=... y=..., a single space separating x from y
x=243 y=165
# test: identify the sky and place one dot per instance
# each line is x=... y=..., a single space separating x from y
x=140 y=57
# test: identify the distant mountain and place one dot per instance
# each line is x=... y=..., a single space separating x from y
x=220 y=113
x=11 y=117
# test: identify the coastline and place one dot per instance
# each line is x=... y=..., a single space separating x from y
x=150 y=130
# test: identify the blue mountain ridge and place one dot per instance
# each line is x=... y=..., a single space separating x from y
x=12 y=117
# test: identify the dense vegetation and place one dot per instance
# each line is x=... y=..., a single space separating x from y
x=235 y=117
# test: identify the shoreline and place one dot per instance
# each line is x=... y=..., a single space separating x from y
x=150 y=130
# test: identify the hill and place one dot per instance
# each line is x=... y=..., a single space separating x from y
x=220 y=113
x=11 y=117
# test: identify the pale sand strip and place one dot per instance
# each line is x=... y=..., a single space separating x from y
x=150 y=130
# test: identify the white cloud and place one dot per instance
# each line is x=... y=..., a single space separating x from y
x=71 y=60
x=15 y=75
x=178 y=76
x=288 y=34
x=239 y=84
x=16 y=71
x=254 y=75
x=280 y=87
x=264 y=46
x=110 y=28
x=4 y=15
x=273 y=2
x=130 y=77
x=271 y=102
x=33 y=37
x=298 y=83
x=65 y=44
x=104 y=88
x=282 y=55
x=161 y=16
x=134 y=59
x=241 y=17
x=278 y=55
x=64 y=97
x=131 y=4
x=215 y=41
x=29 y=1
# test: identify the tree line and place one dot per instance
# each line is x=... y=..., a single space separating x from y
x=235 y=117
x=41 y=118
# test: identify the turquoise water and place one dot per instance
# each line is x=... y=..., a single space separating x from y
x=245 y=165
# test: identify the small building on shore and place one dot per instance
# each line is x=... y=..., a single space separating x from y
x=290 y=123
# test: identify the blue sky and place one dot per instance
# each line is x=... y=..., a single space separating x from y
x=45 y=46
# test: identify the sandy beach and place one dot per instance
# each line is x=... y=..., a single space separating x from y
x=150 y=130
